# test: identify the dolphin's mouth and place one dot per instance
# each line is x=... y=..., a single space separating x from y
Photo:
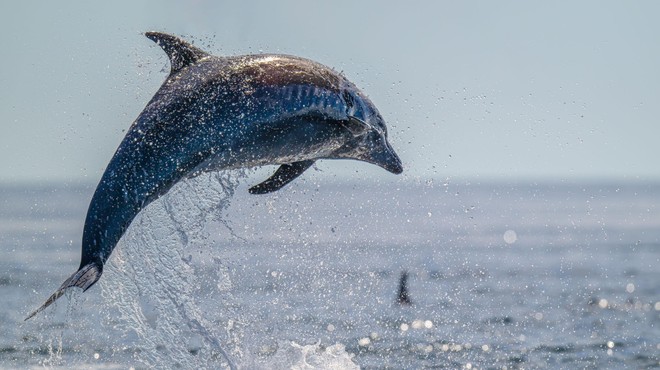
x=395 y=168
x=386 y=158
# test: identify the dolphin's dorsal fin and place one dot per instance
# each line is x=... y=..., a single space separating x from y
x=404 y=297
x=181 y=53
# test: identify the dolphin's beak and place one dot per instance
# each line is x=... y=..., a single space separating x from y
x=386 y=158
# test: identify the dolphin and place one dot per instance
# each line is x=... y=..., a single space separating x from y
x=216 y=113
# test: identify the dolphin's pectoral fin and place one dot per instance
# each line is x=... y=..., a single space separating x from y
x=284 y=175
x=83 y=278
x=181 y=53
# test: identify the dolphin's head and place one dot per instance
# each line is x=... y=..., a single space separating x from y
x=367 y=133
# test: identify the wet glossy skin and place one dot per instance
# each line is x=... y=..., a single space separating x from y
x=220 y=113
x=215 y=113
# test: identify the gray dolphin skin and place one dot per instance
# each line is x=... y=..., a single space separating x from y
x=215 y=113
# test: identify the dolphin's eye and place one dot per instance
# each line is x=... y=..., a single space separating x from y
x=381 y=125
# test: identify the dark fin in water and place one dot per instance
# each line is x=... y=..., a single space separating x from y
x=403 y=298
x=83 y=278
x=181 y=53
x=284 y=175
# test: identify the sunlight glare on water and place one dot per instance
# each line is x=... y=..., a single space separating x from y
x=510 y=237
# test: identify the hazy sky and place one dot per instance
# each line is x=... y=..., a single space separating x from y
x=564 y=90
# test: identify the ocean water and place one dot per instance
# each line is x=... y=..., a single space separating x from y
x=501 y=276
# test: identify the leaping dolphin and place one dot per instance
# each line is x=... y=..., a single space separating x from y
x=214 y=113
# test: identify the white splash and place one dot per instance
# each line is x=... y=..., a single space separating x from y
x=154 y=283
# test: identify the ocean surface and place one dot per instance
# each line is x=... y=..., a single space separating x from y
x=500 y=276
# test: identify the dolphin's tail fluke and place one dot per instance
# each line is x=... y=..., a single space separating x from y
x=83 y=278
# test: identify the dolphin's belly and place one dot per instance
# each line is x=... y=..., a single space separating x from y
x=283 y=141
